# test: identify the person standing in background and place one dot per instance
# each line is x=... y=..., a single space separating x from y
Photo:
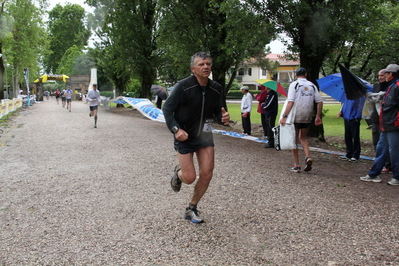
x=261 y=99
x=375 y=121
x=388 y=144
x=246 y=107
x=351 y=112
x=270 y=110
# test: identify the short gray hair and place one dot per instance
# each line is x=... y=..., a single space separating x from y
x=202 y=55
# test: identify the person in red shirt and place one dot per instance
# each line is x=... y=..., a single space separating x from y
x=261 y=99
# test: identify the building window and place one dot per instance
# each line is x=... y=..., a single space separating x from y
x=264 y=72
x=241 y=72
x=249 y=71
x=285 y=76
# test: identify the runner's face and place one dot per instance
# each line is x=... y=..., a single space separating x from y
x=202 y=67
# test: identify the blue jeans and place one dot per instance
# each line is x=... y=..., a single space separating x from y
x=388 y=145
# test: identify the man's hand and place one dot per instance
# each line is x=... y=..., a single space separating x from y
x=244 y=115
x=318 y=121
x=181 y=135
x=225 y=117
x=283 y=120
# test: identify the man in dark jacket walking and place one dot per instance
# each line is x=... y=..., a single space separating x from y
x=189 y=112
x=388 y=144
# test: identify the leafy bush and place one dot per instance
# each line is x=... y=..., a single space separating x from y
x=109 y=94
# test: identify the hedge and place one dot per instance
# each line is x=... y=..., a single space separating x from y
x=237 y=94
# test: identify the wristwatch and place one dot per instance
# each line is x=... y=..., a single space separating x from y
x=285 y=116
x=175 y=129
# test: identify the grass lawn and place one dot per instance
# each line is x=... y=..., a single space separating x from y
x=333 y=126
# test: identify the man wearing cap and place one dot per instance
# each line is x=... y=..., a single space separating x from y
x=94 y=99
x=302 y=95
x=388 y=144
x=375 y=123
x=246 y=106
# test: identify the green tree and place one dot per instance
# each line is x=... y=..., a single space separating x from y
x=317 y=28
x=66 y=28
x=23 y=40
x=83 y=65
x=228 y=29
x=68 y=59
x=128 y=42
x=368 y=49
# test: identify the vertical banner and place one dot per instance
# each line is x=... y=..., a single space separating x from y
x=26 y=76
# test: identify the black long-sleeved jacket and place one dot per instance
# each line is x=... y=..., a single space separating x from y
x=389 y=115
x=189 y=106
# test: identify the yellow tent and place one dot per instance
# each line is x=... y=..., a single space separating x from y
x=52 y=77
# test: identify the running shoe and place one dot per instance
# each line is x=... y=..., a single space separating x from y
x=385 y=170
x=175 y=182
x=393 y=182
x=308 y=166
x=192 y=214
x=296 y=169
x=368 y=178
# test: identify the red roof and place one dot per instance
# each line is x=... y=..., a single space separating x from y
x=282 y=61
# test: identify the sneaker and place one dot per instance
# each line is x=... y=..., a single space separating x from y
x=90 y=114
x=368 y=178
x=393 y=182
x=296 y=169
x=353 y=160
x=95 y=126
x=343 y=158
x=175 y=182
x=385 y=170
x=308 y=166
x=192 y=214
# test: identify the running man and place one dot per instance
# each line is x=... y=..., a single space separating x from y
x=94 y=99
x=68 y=96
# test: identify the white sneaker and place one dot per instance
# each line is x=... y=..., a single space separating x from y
x=343 y=158
x=353 y=160
x=376 y=179
x=393 y=182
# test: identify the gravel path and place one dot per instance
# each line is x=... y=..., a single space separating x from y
x=71 y=194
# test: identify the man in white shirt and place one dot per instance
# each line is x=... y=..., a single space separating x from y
x=246 y=107
x=94 y=99
x=302 y=95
